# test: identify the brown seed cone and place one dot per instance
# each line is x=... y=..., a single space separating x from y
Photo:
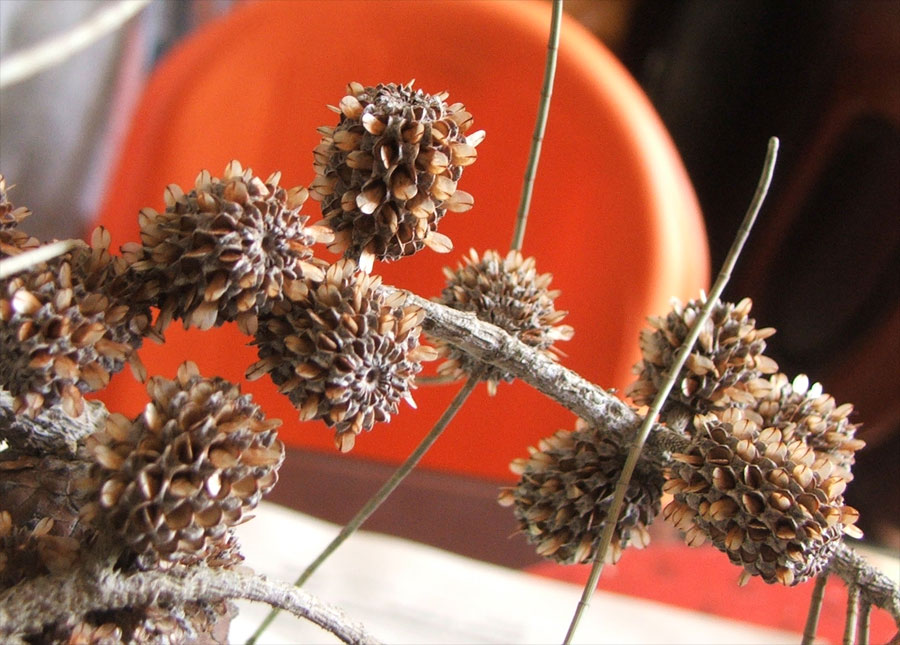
x=388 y=172
x=774 y=506
x=222 y=251
x=177 y=478
x=342 y=350
x=67 y=325
x=728 y=354
x=12 y=241
x=566 y=488
x=802 y=410
x=507 y=292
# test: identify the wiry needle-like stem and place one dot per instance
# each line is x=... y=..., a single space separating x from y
x=635 y=450
x=366 y=511
x=540 y=127
x=815 y=609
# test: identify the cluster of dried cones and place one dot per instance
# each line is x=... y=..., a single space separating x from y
x=67 y=324
x=160 y=490
x=165 y=489
x=762 y=478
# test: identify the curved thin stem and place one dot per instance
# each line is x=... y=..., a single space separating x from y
x=635 y=450
x=366 y=511
x=815 y=609
x=540 y=126
x=52 y=51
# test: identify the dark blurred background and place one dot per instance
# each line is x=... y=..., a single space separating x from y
x=822 y=266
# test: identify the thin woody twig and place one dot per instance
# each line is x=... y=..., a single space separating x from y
x=865 y=613
x=815 y=609
x=852 y=615
x=540 y=126
x=33 y=603
x=28 y=259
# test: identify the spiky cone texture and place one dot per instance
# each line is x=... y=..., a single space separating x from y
x=728 y=354
x=221 y=252
x=388 y=171
x=775 y=507
x=507 y=292
x=67 y=325
x=804 y=411
x=566 y=488
x=342 y=349
x=12 y=241
x=175 y=480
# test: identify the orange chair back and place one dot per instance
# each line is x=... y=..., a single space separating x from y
x=614 y=217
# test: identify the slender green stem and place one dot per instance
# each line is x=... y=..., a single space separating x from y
x=540 y=126
x=815 y=609
x=852 y=615
x=635 y=451
x=865 y=613
x=380 y=496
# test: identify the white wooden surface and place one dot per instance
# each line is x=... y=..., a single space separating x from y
x=405 y=592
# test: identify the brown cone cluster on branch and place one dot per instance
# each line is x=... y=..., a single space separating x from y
x=221 y=252
x=12 y=240
x=567 y=487
x=728 y=354
x=176 y=479
x=773 y=504
x=804 y=411
x=507 y=292
x=388 y=172
x=67 y=325
x=342 y=350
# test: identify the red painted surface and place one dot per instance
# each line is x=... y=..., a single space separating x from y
x=614 y=217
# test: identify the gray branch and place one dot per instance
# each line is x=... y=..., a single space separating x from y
x=493 y=345
x=31 y=604
x=875 y=587
x=51 y=432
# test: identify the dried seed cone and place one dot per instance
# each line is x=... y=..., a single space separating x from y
x=342 y=350
x=804 y=411
x=388 y=172
x=507 y=292
x=222 y=251
x=728 y=354
x=567 y=487
x=67 y=325
x=12 y=241
x=774 y=506
x=177 y=478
